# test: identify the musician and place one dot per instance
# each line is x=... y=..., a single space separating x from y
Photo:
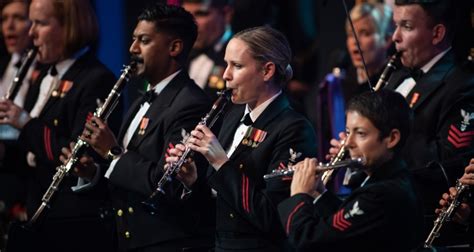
x=55 y=109
x=439 y=91
x=15 y=26
x=256 y=137
x=373 y=27
x=207 y=64
x=383 y=214
x=162 y=40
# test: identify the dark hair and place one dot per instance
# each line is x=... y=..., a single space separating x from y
x=440 y=12
x=211 y=3
x=269 y=45
x=175 y=21
x=386 y=110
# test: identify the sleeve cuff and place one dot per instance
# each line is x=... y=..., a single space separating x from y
x=84 y=184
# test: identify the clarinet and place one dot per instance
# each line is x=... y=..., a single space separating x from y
x=446 y=214
x=392 y=65
x=102 y=112
x=21 y=73
x=208 y=120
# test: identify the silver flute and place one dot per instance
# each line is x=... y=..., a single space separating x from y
x=321 y=168
x=208 y=120
x=21 y=73
x=446 y=214
x=103 y=112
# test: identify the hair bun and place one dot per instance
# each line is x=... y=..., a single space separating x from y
x=288 y=72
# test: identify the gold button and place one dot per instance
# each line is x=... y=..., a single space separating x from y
x=231 y=215
x=241 y=166
x=55 y=122
x=130 y=210
x=127 y=234
x=120 y=212
x=55 y=93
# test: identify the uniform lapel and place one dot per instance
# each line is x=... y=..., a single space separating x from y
x=431 y=81
x=268 y=116
x=396 y=79
x=129 y=117
x=71 y=74
x=4 y=61
x=231 y=122
x=164 y=100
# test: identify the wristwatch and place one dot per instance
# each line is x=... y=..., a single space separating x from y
x=114 y=153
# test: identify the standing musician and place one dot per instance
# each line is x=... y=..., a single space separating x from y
x=162 y=40
x=255 y=138
x=383 y=214
x=55 y=109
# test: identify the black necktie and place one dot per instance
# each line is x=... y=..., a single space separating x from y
x=53 y=71
x=247 y=120
x=416 y=73
x=149 y=96
x=17 y=64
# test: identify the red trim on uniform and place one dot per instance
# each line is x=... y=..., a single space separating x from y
x=459 y=139
x=47 y=143
x=245 y=193
x=290 y=217
x=338 y=221
x=460 y=133
x=282 y=166
x=286 y=178
x=458 y=145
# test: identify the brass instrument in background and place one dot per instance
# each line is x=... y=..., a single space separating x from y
x=102 y=112
x=446 y=214
x=208 y=120
x=21 y=73
x=392 y=65
x=326 y=176
x=321 y=168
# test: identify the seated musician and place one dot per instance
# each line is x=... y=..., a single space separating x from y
x=383 y=214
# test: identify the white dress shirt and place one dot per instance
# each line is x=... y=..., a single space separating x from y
x=409 y=83
x=137 y=119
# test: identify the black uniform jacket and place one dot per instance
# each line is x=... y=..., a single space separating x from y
x=382 y=215
x=180 y=105
x=247 y=217
x=443 y=130
x=61 y=122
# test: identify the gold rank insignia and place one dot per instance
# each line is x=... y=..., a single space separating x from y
x=253 y=137
x=143 y=125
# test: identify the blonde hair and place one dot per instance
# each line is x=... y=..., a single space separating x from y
x=269 y=45
x=381 y=15
x=79 y=22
